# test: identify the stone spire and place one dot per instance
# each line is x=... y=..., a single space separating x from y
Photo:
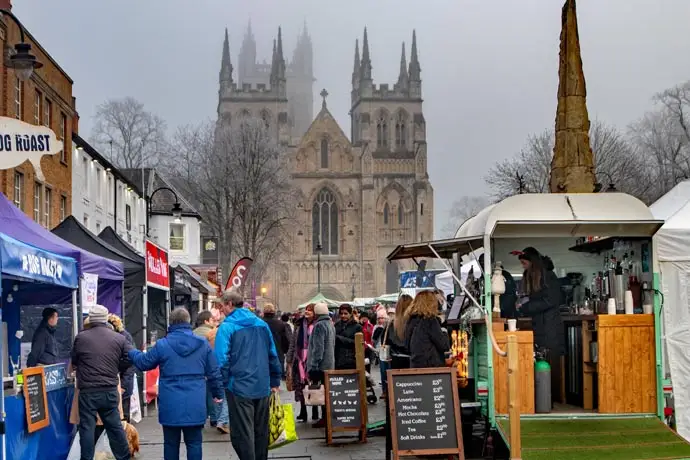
x=572 y=166
x=279 y=55
x=274 y=65
x=247 y=57
x=415 y=70
x=365 y=66
x=225 y=76
x=403 y=79
x=356 y=68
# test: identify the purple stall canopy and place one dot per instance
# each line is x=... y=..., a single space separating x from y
x=19 y=226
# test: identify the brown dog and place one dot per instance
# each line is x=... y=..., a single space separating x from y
x=132 y=438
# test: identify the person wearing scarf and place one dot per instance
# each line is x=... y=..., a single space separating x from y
x=297 y=360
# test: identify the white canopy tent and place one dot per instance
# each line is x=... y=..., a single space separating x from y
x=672 y=243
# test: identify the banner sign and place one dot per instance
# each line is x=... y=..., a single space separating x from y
x=21 y=141
x=419 y=279
x=28 y=262
x=157 y=274
x=89 y=291
x=209 y=250
x=239 y=274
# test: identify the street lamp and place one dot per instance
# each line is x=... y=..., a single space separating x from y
x=176 y=209
x=353 y=285
x=264 y=290
x=319 y=248
x=22 y=61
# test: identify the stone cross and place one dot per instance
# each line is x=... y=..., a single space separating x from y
x=324 y=95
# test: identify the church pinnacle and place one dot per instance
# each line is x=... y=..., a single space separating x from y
x=365 y=68
x=356 y=68
x=226 y=65
x=402 y=76
x=415 y=69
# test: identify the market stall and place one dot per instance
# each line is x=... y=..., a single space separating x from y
x=33 y=276
x=601 y=247
x=332 y=304
x=672 y=244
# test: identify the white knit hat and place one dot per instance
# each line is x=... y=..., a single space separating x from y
x=321 y=308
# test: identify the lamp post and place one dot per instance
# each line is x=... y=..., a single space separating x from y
x=176 y=209
x=612 y=186
x=22 y=61
x=319 y=248
x=353 y=285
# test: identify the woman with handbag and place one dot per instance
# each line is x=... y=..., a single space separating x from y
x=297 y=361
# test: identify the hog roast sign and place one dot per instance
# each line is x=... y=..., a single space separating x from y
x=21 y=141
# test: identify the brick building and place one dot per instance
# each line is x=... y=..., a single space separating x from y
x=44 y=99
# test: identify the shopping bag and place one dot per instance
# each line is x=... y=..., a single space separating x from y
x=281 y=423
x=134 y=403
x=103 y=451
x=75 y=450
x=315 y=395
x=289 y=384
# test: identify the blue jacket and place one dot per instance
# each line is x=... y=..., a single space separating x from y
x=185 y=361
x=247 y=356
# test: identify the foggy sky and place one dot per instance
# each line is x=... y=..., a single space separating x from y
x=489 y=67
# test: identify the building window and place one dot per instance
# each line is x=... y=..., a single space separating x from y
x=62 y=130
x=85 y=172
x=98 y=228
x=37 y=202
x=266 y=118
x=108 y=191
x=421 y=209
x=382 y=131
x=86 y=220
x=48 y=113
x=18 y=98
x=19 y=190
x=37 y=107
x=400 y=214
x=386 y=212
x=99 y=187
x=400 y=131
x=128 y=217
x=63 y=207
x=324 y=153
x=324 y=215
x=47 y=207
x=176 y=240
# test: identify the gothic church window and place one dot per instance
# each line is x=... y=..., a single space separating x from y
x=266 y=119
x=386 y=211
x=324 y=217
x=324 y=153
x=401 y=130
x=382 y=131
x=400 y=214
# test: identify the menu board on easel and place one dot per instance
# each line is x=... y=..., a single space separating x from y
x=35 y=399
x=345 y=403
x=425 y=412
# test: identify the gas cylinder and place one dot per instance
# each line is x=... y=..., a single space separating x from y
x=542 y=386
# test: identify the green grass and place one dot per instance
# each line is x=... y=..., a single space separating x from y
x=603 y=439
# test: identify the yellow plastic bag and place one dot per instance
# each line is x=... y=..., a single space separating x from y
x=281 y=423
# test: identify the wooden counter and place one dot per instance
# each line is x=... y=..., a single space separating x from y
x=526 y=360
x=627 y=364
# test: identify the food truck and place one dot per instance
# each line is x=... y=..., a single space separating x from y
x=609 y=402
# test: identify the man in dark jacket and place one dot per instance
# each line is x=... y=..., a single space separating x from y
x=99 y=355
x=251 y=370
x=44 y=349
x=282 y=335
x=345 y=331
x=186 y=362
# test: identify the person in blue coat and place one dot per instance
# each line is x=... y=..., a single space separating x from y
x=251 y=370
x=186 y=362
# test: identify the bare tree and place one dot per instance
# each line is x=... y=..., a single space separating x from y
x=663 y=138
x=617 y=162
x=461 y=210
x=129 y=135
x=240 y=182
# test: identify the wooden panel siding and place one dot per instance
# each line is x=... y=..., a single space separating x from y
x=627 y=362
x=526 y=372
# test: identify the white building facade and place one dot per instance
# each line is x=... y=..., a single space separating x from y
x=102 y=196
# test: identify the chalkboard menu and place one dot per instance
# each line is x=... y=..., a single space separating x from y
x=35 y=399
x=425 y=412
x=345 y=402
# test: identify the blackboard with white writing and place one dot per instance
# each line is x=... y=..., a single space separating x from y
x=424 y=410
x=344 y=400
x=35 y=399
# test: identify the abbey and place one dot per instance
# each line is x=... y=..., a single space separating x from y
x=359 y=195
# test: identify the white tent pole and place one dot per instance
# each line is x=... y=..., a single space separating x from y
x=462 y=286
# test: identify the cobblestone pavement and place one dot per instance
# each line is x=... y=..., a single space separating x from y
x=311 y=444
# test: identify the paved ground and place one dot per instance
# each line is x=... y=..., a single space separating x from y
x=311 y=445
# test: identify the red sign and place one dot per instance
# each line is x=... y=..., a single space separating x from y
x=239 y=274
x=157 y=274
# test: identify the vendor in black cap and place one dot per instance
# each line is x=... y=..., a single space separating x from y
x=44 y=347
x=542 y=300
